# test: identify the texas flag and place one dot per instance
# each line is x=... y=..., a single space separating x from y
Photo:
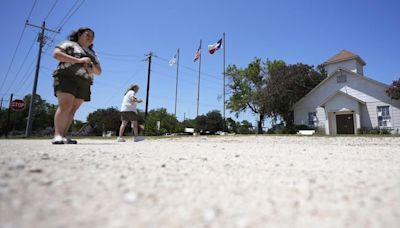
x=213 y=47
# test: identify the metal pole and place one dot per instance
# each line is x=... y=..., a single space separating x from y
x=198 y=84
x=41 y=40
x=223 y=126
x=176 y=87
x=28 y=131
x=148 y=84
x=8 y=116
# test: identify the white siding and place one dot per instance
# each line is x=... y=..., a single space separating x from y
x=351 y=65
x=394 y=111
x=341 y=103
x=395 y=115
x=365 y=116
x=332 y=124
x=301 y=116
x=321 y=116
x=360 y=69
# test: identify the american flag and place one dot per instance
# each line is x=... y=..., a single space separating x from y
x=197 y=54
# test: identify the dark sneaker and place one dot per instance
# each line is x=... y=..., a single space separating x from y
x=69 y=141
x=138 y=138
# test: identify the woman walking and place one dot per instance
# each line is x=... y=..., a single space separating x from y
x=129 y=112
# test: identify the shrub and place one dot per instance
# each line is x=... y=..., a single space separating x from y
x=373 y=131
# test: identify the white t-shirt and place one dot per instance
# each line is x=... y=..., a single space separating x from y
x=127 y=104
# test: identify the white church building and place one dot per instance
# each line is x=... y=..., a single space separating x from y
x=347 y=100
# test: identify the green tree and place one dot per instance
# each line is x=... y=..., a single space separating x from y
x=200 y=123
x=245 y=128
x=247 y=89
x=190 y=123
x=321 y=69
x=232 y=125
x=168 y=123
x=214 y=121
x=394 y=90
x=76 y=125
x=43 y=117
x=211 y=122
x=286 y=85
x=104 y=120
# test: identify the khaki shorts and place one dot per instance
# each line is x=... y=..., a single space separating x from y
x=128 y=116
x=75 y=85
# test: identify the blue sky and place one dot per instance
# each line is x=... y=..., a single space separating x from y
x=309 y=32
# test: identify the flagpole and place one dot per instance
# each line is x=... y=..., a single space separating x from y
x=224 y=43
x=198 y=84
x=176 y=87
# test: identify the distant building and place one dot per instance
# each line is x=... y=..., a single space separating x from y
x=347 y=100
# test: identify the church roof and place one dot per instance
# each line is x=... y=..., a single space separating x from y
x=343 y=56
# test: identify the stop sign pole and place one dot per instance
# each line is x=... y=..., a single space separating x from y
x=8 y=117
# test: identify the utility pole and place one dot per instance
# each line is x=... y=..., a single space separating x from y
x=148 y=82
x=176 y=87
x=198 y=83
x=223 y=124
x=42 y=41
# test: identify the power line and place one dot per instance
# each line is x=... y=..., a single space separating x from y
x=16 y=49
x=63 y=21
x=118 y=55
x=192 y=69
x=30 y=12
x=20 y=68
x=66 y=15
x=191 y=82
x=72 y=13
x=25 y=78
x=51 y=10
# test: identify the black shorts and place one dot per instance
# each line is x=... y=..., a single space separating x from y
x=75 y=85
x=128 y=116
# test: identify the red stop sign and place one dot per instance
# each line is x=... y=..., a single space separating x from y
x=17 y=105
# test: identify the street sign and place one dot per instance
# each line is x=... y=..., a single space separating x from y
x=18 y=105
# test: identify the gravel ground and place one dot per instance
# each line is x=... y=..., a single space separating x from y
x=227 y=181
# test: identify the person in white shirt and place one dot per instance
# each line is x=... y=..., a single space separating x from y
x=129 y=112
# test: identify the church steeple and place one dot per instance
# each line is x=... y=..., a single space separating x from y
x=347 y=60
